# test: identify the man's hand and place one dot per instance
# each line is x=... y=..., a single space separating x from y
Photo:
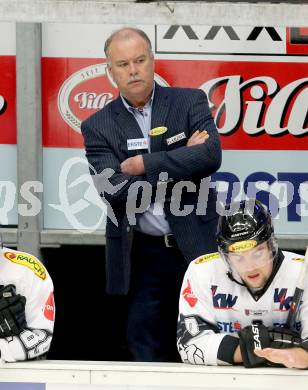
x=271 y=340
x=237 y=357
x=290 y=357
x=198 y=138
x=133 y=166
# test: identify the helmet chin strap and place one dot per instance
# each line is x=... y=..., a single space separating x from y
x=231 y=277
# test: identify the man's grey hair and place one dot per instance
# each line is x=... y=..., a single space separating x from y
x=126 y=32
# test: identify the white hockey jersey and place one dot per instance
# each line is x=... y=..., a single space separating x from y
x=213 y=308
x=31 y=280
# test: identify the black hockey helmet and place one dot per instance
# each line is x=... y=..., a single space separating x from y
x=244 y=225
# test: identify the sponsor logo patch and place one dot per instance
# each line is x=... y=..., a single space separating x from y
x=28 y=261
x=189 y=295
x=299 y=259
x=255 y=313
x=242 y=246
x=284 y=300
x=49 y=309
x=223 y=301
x=229 y=326
x=157 y=131
x=256 y=337
x=192 y=326
x=175 y=138
x=206 y=258
x=137 y=143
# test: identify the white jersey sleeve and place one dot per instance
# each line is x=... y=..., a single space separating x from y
x=200 y=341
x=31 y=280
x=303 y=315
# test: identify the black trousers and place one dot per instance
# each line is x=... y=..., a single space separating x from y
x=156 y=279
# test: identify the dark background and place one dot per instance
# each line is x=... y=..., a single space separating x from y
x=89 y=325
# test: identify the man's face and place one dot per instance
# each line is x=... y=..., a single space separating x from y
x=253 y=266
x=132 y=68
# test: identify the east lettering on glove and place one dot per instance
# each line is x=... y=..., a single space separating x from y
x=260 y=337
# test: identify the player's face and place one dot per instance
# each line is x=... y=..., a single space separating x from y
x=132 y=68
x=254 y=266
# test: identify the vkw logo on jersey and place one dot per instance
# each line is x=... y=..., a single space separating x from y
x=280 y=296
x=223 y=301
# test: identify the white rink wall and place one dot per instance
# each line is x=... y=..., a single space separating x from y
x=164 y=12
x=65 y=375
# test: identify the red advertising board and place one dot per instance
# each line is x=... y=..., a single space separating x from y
x=256 y=105
x=7 y=100
x=259 y=102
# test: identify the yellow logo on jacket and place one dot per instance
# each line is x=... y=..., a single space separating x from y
x=299 y=259
x=242 y=246
x=206 y=258
x=28 y=261
x=157 y=131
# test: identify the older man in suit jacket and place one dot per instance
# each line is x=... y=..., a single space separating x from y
x=163 y=140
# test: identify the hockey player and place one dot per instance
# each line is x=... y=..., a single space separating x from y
x=234 y=304
x=26 y=306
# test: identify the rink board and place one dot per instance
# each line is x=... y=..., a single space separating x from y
x=86 y=375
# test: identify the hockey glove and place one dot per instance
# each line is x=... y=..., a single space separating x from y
x=282 y=338
x=259 y=336
x=251 y=337
x=12 y=311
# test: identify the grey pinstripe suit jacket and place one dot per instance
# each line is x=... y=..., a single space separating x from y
x=105 y=135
